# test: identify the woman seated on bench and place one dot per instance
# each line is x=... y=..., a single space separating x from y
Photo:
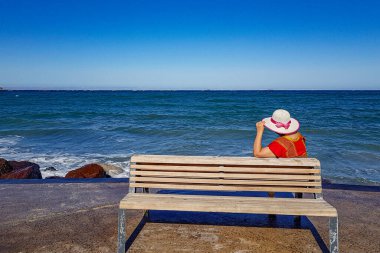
x=290 y=143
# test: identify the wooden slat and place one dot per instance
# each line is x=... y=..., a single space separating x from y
x=226 y=188
x=218 y=181
x=259 y=201
x=237 y=198
x=228 y=204
x=226 y=169
x=215 y=160
x=224 y=175
x=299 y=206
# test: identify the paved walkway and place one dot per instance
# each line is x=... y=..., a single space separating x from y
x=82 y=217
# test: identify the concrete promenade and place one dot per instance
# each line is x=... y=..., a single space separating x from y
x=82 y=217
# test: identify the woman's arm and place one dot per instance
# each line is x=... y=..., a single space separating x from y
x=258 y=151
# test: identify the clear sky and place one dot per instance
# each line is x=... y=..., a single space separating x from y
x=191 y=44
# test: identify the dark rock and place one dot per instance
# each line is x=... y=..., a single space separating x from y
x=30 y=172
x=5 y=167
x=23 y=164
x=50 y=169
x=88 y=171
x=23 y=170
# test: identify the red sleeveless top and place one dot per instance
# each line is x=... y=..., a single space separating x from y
x=285 y=147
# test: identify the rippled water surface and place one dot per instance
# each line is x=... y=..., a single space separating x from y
x=66 y=129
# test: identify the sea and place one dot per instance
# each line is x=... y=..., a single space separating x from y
x=67 y=129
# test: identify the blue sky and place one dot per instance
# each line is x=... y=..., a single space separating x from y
x=190 y=44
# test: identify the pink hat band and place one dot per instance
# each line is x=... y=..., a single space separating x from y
x=280 y=124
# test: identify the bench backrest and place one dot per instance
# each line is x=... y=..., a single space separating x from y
x=300 y=175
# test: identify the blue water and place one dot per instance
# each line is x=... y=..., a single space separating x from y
x=66 y=129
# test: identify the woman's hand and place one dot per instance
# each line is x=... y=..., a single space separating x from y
x=260 y=126
x=258 y=151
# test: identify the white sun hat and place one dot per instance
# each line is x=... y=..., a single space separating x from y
x=281 y=122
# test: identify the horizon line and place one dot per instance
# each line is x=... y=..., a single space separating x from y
x=4 y=89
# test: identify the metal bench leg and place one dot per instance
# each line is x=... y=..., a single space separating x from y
x=297 y=218
x=146 y=215
x=333 y=231
x=121 y=239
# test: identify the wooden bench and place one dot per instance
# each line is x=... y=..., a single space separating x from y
x=297 y=175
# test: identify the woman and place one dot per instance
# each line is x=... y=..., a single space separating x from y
x=290 y=143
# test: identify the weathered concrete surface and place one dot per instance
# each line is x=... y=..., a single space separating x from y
x=82 y=217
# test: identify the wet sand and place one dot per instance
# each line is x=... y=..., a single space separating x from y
x=82 y=217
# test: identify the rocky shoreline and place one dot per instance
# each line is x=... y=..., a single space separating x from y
x=29 y=170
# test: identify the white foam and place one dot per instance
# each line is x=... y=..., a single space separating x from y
x=62 y=162
x=10 y=140
x=66 y=162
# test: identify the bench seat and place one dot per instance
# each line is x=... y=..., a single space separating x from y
x=228 y=204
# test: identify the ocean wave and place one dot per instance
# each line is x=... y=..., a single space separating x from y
x=62 y=162
x=66 y=162
x=10 y=140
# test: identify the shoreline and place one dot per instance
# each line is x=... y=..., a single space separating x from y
x=112 y=173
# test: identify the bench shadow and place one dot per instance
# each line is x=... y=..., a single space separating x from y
x=135 y=233
x=242 y=220
x=229 y=219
